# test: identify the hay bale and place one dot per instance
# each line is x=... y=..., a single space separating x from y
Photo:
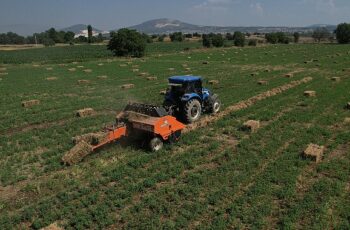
x=36 y=66
x=289 y=75
x=52 y=226
x=77 y=153
x=30 y=103
x=267 y=70
x=348 y=105
x=80 y=66
x=184 y=65
x=251 y=125
x=254 y=74
x=337 y=79
x=3 y=69
x=171 y=69
x=188 y=69
x=123 y=65
x=75 y=62
x=205 y=63
x=310 y=93
x=262 y=82
x=347 y=120
x=72 y=69
x=83 y=82
x=315 y=152
x=4 y=74
x=135 y=70
x=49 y=68
x=151 y=78
x=213 y=82
x=102 y=77
x=163 y=92
x=87 y=70
x=128 y=86
x=91 y=138
x=143 y=74
x=85 y=112
x=51 y=78
x=100 y=64
x=135 y=66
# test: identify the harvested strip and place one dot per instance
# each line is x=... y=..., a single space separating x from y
x=245 y=104
x=30 y=103
x=310 y=93
x=85 y=112
x=128 y=86
x=77 y=153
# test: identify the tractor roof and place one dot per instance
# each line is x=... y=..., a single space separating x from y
x=184 y=79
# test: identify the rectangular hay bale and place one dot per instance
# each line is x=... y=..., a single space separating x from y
x=83 y=81
x=77 y=153
x=128 y=86
x=30 y=103
x=310 y=93
x=151 y=78
x=315 y=152
x=251 y=125
x=85 y=112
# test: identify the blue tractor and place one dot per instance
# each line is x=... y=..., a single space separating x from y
x=186 y=99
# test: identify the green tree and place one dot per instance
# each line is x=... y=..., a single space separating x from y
x=69 y=37
x=99 y=38
x=217 y=40
x=252 y=42
x=89 y=28
x=239 y=39
x=206 y=40
x=177 y=37
x=127 y=42
x=52 y=34
x=320 y=34
x=296 y=36
x=343 y=33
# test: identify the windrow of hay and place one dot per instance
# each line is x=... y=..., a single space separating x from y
x=85 y=112
x=72 y=69
x=246 y=103
x=30 y=103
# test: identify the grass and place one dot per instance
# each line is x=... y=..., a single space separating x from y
x=216 y=177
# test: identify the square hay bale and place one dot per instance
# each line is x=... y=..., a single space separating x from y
x=171 y=69
x=143 y=74
x=77 y=153
x=3 y=69
x=310 y=93
x=336 y=79
x=151 y=78
x=75 y=62
x=163 y=92
x=262 y=82
x=85 y=112
x=348 y=105
x=87 y=70
x=289 y=75
x=251 y=126
x=205 y=63
x=347 y=120
x=254 y=74
x=49 y=68
x=83 y=82
x=62 y=65
x=213 y=82
x=91 y=138
x=128 y=86
x=102 y=77
x=315 y=152
x=188 y=69
x=30 y=103
x=123 y=65
x=52 y=226
x=72 y=69
x=100 y=64
x=80 y=66
x=36 y=66
x=4 y=74
x=184 y=65
x=51 y=78
x=135 y=70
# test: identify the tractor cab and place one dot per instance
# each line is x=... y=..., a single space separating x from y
x=187 y=99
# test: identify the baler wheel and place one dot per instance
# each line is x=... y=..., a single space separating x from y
x=156 y=144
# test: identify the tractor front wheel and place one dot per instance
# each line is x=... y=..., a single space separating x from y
x=192 y=111
x=215 y=106
x=156 y=144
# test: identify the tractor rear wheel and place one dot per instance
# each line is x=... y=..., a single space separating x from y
x=192 y=111
x=156 y=144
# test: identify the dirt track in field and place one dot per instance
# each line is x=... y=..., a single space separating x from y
x=245 y=104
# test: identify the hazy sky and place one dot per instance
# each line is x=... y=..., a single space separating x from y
x=112 y=14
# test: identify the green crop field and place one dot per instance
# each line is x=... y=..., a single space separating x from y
x=217 y=176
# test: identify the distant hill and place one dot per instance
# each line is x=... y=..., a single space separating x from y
x=166 y=26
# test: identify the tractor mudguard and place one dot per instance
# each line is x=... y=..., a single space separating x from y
x=190 y=96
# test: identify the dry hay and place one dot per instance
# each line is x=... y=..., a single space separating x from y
x=51 y=78
x=87 y=70
x=213 y=82
x=171 y=69
x=135 y=66
x=100 y=64
x=128 y=86
x=77 y=153
x=347 y=120
x=85 y=112
x=315 y=152
x=36 y=66
x=188 y=69
x=205 y=63
x=262 y=82
x=184 y=65
x=123 y=65
x=310 y=93
x=251 y=126
x=337 y=79
x=102 y=77
x=289 y=75
x=3 y=69
x=348 y=105
x=151 y=78
x=254 y=74
x=83 y=82
x=4 y=74
x=52 y=226
x=30 y=103
x=75 y=62
x=163 y=92
x=245 y=104
x=49 y=68
x=91 y=138
x=62 y=65
x=143 y=74
x=135 y=70
x=72 y=69
x=80 y=66
x=267 y=70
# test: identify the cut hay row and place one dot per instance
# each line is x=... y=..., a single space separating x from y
x=245 y=104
